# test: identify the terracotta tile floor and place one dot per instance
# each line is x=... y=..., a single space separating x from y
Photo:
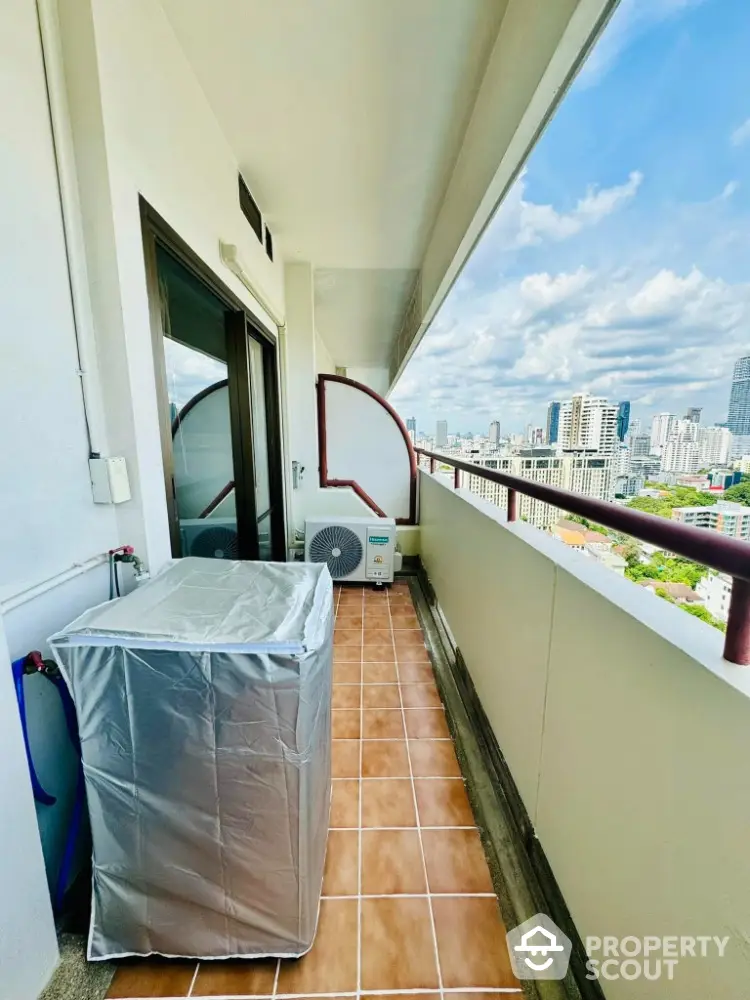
x=408 y=905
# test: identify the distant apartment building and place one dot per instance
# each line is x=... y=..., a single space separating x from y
x=494 y=435
x=740 y=446
x=640 y=446
x=694 y=414
x=724 y=479
x=648 y=466
x=716 y=445
x=727 y=518
x=663 y=426
x=621 y=464
x=681 y=455
x=441 y=434
x=411 y=427
x=623 y=419
x=588 y=423
x=691 y=447
x=715 y=590
x=589 y=475
x=629 y=485
x=738 y=420
x=553 y=423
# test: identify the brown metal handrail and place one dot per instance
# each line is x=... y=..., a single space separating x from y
x=727 y=555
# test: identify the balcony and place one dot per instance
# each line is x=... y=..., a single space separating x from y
x=408 y=900
x=516 y=729
x=601 y=737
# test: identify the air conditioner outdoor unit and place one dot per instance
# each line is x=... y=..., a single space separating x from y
x=210 y=537
x=354 y=548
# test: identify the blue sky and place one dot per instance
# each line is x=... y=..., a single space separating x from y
x=620 y=261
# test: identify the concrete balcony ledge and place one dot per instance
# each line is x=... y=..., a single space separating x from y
x=626 y=733
x=699 y=642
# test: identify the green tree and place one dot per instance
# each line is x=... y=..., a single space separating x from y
x=739 y=493
x=631 y=553
x=699 y=611
x=652 y=505
x=678 y=496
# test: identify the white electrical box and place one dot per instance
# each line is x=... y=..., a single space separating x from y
x=109 y=480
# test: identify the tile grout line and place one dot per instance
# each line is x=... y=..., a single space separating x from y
x=416 y=811
x=499 y=991
x=405 y=777
x=352 y=829
x=359 y=795
x=192 y=981
x=415 y=895
x=385 y=739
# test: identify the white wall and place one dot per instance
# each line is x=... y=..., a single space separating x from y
x=375 y=377
x=142 y=126
x=300 y=370
x=364 y=444
x=47 y=518
x=627 y=734
x=323 y=360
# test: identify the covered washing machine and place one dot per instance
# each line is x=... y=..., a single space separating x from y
x=204 y=709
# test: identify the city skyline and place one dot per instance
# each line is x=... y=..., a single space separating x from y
x=738 y=403
x=618 y=263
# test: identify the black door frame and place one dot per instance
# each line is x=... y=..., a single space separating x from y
x=241 y=324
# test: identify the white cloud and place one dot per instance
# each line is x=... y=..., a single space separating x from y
x=522 y=223
x=741 y=134
x=729 y=189
x=665 y=337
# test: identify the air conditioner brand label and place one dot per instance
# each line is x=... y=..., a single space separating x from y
x=378 y=539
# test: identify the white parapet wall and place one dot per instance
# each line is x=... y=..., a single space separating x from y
x=627 y=735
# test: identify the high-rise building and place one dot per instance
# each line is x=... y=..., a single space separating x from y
x=411 y=427
x=740 y=445
x=715 y=444
x=663 y=426
x=694 y=414
x=621 y=462
x=495 y=432
x=738 y=420
x=635 y=426
x=588 y=423
x=681 y=455
x=441 y=434
x=623 y=419
x=640 y=445
x=553 y=422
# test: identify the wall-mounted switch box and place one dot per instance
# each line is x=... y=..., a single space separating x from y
x=109 y=480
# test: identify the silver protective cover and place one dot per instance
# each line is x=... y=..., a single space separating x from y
x=204 y=708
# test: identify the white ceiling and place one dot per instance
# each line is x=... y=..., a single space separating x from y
x=346 y=117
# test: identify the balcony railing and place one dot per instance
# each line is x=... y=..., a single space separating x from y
x=717 y=551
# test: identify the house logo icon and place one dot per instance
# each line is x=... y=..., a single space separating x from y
x=538 y=949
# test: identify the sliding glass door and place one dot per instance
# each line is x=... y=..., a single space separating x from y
x=220 y=410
